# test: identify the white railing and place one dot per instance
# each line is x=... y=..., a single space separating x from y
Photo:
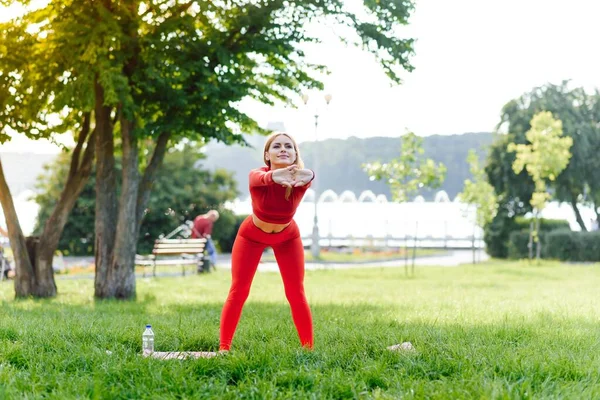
x=450 y=242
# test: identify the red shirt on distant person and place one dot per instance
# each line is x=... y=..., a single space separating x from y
x=203 y=224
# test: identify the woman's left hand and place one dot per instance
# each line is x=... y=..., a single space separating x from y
x=302 y=177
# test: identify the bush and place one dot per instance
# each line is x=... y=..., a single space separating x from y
x=224 y=227
x=496 y=234
x=518 y=244
x=226 y=241
x=558 y=244
x=590 y=246
x=573 y=246
x=508 y=237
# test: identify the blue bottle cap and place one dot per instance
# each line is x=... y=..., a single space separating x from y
x=148 y=326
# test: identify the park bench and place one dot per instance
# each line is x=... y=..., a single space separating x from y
x=175 y=252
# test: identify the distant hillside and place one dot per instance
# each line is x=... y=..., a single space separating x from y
x=340 y=160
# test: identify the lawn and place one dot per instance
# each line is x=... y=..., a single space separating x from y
x=326 y=257
x=492 y=331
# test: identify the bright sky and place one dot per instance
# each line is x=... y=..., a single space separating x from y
x=472 y=57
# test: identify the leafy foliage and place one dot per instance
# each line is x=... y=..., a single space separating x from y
x=407 y=174
x=545 y=157
x=183 y=67
x=579 y=113
x=479 y=192
x=182 y=190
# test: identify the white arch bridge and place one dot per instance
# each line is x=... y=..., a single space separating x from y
x=346 y=219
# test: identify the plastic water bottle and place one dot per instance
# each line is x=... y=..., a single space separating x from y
x=148 y=340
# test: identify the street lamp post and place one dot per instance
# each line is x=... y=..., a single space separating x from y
x=315 y=248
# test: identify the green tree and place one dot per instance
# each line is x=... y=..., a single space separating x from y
x=545 y=156
x=182 y=190
x=580 y=116
x=31 y=101
x=178 y=70
x=578 y=184
x=479 y=192
x=407 y=173
x=587 y=142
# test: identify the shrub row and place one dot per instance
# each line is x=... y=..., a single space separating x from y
x=562 y=244
x=497 y=234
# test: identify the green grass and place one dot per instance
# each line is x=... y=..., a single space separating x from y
x=493 y=331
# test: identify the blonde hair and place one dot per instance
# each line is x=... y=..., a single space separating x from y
x=298 y=161
x=214 y=213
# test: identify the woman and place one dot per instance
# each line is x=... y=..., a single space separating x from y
x=276 y=192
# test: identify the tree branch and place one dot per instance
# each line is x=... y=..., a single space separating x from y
x=81 y=139
x=149 y=175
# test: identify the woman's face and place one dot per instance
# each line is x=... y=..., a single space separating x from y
x=281 y=152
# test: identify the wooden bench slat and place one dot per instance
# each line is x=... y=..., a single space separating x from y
x=169 y=251
x=180 y=244
x=177 y=262
x=182 y=250
x=179 y=247
x=201 y=240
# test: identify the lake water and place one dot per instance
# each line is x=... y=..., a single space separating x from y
x=435 y=223
x=346 y=214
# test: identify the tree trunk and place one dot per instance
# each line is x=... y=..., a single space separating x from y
x=538 y=244
x=473 y=244
x=25 y=276
x=577 y=213
x=145 y=186
x=106 y=207
x=123 y=262
x=138 y=193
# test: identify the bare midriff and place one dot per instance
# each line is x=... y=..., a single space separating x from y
x=267 y=226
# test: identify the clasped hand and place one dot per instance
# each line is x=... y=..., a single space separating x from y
x=292 y=176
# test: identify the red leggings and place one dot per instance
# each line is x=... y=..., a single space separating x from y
x=245 y=256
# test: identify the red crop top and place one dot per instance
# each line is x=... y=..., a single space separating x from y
x=268 y=198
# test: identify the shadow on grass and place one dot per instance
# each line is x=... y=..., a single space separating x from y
x=93 y=351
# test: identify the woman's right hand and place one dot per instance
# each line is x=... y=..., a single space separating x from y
x=285 y=176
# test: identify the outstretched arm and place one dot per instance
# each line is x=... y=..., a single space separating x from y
x=260 y=178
